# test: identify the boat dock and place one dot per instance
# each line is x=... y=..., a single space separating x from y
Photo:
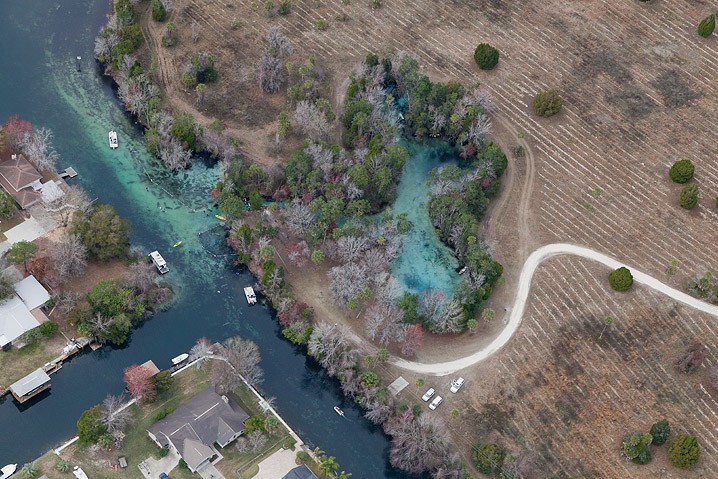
x=249 y=293
x=68 y=173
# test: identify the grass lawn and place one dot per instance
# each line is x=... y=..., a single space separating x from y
x=11 y=223
x=18 y=363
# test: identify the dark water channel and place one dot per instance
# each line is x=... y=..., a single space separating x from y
x=39 y=41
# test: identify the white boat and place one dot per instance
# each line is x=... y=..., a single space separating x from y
x=180 y=358
x=79 y=473
x=339 y=411
x=159 y=262
x=8 y=471
x=249 y=293
x=113 y=139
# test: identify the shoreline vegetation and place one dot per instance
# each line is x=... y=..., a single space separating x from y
x=330 y=204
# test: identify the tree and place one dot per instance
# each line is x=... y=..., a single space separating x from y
x=113 y=415
x=691 y=358
x=103 y=232
x=201 y=349
x=174 y=155
x=38 y=149
x=689 y=197
x=635 y=447
x=63 y=208
x=310 y=120
x=707 y=25
x=419 y=443
x=270 y=69
x=29 y=470
x=139 y=383
x=15 y=130
x=89 y=426
x=488 y=457
x=283 y=126
x=200 y=89
x=488 y=315
x=6 y=288
x=660 y=432
x=684 y=451
x=330 y=345
x=414 y=339
x=547 y=103
x=21 y=252
x=419 y=383
x=239 y=359
x=106 y=441
x=68 y=256
x=621 y=279
x=382 y=355
x=607 y=321
x=162 y=381
x=486 y=56
x=7 y=206
x=158 y=11
x=681 y=171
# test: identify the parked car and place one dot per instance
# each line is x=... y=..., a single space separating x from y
x=163 y=475
x=456 y=385
x=435 y=403
x=427 y=395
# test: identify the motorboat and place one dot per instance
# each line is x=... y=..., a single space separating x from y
x=249 y=294
x=8 y=471
x=113 y=139
x=180 y=358
x=339 y=411
x=159 y=262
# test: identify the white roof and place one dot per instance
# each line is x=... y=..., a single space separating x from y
x=33 y=380
x=32 y=293
x=15 y=319
x=51 y=192
x=157 y=258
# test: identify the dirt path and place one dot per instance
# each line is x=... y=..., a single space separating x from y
x=524 y=286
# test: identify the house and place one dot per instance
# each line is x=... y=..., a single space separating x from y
x=21 y=313
x=193 y=428
x=301 y=472
x=21 y=180
x=31 y=385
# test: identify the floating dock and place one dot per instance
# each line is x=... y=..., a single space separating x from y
x=68 y=173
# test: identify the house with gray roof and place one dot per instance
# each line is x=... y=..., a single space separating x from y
x=21 y=312
x=301 y=472
x=193 y=428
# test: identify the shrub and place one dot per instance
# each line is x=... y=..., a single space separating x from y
x=621 y=279
x=162 y=452
x=635 y=447
x=547 y=103
x=689 y=197
x=62 y=466
x=163 y=413
x=684 y=451
x=158 y=11
x=48 y=328
x=285 y=6
x=322 y=24
x=681 y=171
x=660 y=432
x=303 y=457
x=89 y=426
x=707 y=25
x=254 y=423
x=486 y=56
x=183 y=465
x=488 y=457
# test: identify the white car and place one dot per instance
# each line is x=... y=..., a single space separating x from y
x=427 y=395
x=456 y=385
x=435 y=403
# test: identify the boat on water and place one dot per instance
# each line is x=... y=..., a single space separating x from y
x=339 y=411
x=178 y=359
x=159 y=262
x=249 y=293
x=176 y=244
x=113 y=139
x=8 y=471
x=221 y=218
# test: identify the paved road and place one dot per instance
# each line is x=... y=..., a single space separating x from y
x=524 y=286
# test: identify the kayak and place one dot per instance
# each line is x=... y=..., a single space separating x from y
x=222 y=218
x=177 y=244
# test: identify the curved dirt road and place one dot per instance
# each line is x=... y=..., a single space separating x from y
x=517 y=311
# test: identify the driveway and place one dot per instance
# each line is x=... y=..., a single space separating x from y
x=210 y=472
x=277 y=465
x=28 y=230
x=151 y=467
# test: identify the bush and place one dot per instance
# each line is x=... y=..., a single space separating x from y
x=48 y=328
x=547 y=103
x=707 y=25
x=163 y=413
x=681 y=171
x=486 y=56
x=684 y=451
x=303 y=457
x=89 y=426
x=660 y=432
x=621 y=279
x=162 y=452
x=488 y=458
x=254 y=423
x=62 y=466
x=158 y=11
x=183 y=465
x=635 y=447
x=7 y=206
x=689 y=197
x=285 y=6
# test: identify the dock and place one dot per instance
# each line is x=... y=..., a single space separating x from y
x=68 y=173
x=30 y=386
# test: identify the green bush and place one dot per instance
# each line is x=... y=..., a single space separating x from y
x=162 y=452
x=48 y=328
x=7 y=206
x=183 y=465
x=635 y=447
x=681 y=171
x=89 y=426
x=684 y=451
x=303 y=457
x=163 y=413
x=547 y=103
x=486 y=56
x=158 y=11
x=488 y=457
x=660 y=432
x=621 y=279
x=254 y=423
x=689 y=197
x=707 y=25
x=285 y=6
x=62 y=466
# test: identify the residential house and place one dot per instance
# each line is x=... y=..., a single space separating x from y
x=196 y=426
x=301 y=472
x=21 y=180
x=22 y=312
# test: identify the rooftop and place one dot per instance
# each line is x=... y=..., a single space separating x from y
x=18 y=172
x=15 y=319
x=32 y=293
x=301 y=472
x=30 y=382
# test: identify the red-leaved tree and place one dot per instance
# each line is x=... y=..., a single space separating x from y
x=413 y=340
x=15 y=129
x=296 y=312
x=139 y=383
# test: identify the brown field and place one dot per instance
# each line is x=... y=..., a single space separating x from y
x=640 y=91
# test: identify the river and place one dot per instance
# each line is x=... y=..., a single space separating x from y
x=39 y=41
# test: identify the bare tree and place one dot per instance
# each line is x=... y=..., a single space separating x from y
x=299 y=217
x=479 y=130
x=347 y=281
x=349 y=248
x=68 y=256
x=257 y=440
x=136 y=92
x=278 y=43
x=270 y=69
x=419 y=443
x=242 y=358
x=99 y=325
x=114 y=417
x=38 y=148
x=330 y=346
x=195 y=28
x=431 y=304
x=385 y=323
x=520 y=465
x=202 y=348
x=449 y=321
x=174 y=156
x=483 y=98
x=63 y=207
x=311 y=121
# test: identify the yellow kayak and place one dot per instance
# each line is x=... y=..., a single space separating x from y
x=222 y=218
x=177 y=244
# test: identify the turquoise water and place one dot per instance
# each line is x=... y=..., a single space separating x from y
x=425 y=261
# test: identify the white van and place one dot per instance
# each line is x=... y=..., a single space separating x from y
x=435 y=403
x=456 y=385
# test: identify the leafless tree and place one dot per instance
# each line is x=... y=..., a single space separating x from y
x=38 y=149
x=311 y=121
x=431 y=304
x=449 y=321
x=453 y=468
x=330 y=346
x=63 y=207
x=240 y=358
x=174 y=156
x=299 y=217
x=384 y=322
x=141 y=277
x=378 y=412
x=113 y=416
x=68 y=256
x=270 y=69
x=278 y=43
x=419 y=443
x=479 y=130
x=347 y=281
x=322 y=158
x=257 y=440
x=195 y=28
x=520 y=465
x=105 y=43
x=99 y=325
x=202 y=348
x=350 y=247
x=483 y=98
x=136 y=92
x=691 y=358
